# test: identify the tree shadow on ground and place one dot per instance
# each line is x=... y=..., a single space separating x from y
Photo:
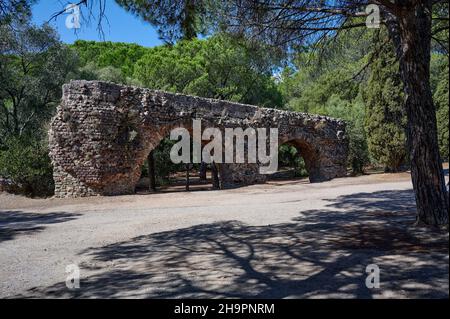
x=321 y=254
x=16 y=223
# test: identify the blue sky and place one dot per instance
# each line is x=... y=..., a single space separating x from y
x=122 y=27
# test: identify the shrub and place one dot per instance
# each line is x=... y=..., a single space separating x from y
x=288 y=156
x=26 y=163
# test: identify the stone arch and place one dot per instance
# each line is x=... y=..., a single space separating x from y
x=150 y=139
x=156 y=135
x=322 y=159
x=102 y=133
x=305 y=151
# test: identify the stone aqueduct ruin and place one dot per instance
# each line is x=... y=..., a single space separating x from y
x=102 y=134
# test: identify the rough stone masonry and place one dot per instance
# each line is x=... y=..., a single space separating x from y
x=102 y=133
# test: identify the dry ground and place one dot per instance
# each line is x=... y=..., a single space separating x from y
x=279 y=240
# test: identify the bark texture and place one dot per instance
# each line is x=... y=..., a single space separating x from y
x=414 y=36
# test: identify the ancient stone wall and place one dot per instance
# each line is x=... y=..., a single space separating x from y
x=103 y=132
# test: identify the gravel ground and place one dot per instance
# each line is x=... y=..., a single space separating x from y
x=278 y=240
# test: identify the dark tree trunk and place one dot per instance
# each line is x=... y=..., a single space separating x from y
x=426 y=168
x=202 y=171
x=215 y=176
x=187 y=177
x=151 y=172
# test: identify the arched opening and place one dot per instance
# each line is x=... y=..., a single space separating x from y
x=296 y=161
x=159 y=174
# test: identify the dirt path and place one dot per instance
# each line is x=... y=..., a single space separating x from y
x=279 y=240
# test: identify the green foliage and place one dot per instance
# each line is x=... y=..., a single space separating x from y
x=386 y=120
x=440 y=27
x=353 y=113
x=33 y=67
x=122 y=56
x=109 y=73
x=313 y=94
x=314 y=77
x=217 y=67
x=442 y=123
x=325 y=84
x=24 y=160
x=288 y=156
x=14 y=10
x=441 y=100
x=164 y=166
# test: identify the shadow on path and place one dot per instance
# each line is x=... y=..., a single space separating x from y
x=16 y=223
x=322 y=253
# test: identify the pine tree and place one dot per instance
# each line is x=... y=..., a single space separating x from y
x=440 y=98
x=385 y=118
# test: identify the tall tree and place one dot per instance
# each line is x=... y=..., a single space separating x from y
x=33 y=66
x=410 y=22
x=385 y=121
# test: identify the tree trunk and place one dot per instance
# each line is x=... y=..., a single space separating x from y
x=202 y=171
x=215 y=176
x=151 y=172
x=426 y=167
x=187 y=177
